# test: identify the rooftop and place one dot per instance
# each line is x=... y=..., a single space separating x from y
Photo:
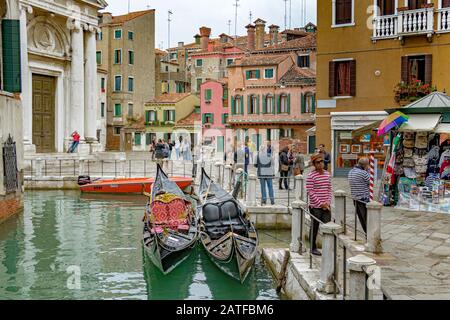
x=170 y=98
x=298 y=74
x=259 y=60
x=308 y=41
x=189 y=121
x=128 y=17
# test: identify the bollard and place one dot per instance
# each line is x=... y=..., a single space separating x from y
x=297 y=228
x=39 y=164
x=299 y=188
x=217 y=173
x=81 y=169
x=339 y=212
x=358 y=277
x=227 y=178
x=328 y=232
x=373 y=244
x=251 y=194
x=239 y=173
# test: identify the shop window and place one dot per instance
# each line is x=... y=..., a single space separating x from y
x=417 y=68
x=342 y=78
x=386 y=7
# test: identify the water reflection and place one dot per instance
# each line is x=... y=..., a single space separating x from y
x=102 y=237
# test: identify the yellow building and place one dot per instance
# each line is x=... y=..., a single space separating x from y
x=365 y=48
x=164 y=112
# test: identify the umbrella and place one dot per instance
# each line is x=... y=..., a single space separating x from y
x=395 y=119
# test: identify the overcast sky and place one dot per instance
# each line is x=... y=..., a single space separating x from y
x=189 y=15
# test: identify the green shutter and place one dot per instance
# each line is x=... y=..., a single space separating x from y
x=208 y=94
x=212 y=117
x=164 y=116
x=278 y=102
x=258 y=100
x=313 y=109
x=258 y=74
x=247 y=74
x=131 y=57
x=147 y=139
x=204 y=118
x=11 y=55
x=289 y=103
x=233 y=105
x=147 y=116
x=274 y=107
x=264 y=103
x=248 y=104
x=303 y=103
x=242 y=106
x=137 y=139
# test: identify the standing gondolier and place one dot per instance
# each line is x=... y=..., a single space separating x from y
x=359 y=180
x=319 y=190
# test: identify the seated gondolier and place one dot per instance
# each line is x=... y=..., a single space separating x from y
x=359 y=180
x=319 y=190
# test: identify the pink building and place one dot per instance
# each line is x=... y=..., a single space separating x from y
x=214 y=111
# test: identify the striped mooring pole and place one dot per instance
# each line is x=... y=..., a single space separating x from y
x=372 y=174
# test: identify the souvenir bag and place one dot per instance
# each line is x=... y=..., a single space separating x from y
x=410 y=173
x=408 y=152
x=421 y=141
x=408 y=163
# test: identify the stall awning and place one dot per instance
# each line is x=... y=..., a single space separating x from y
x=421 y=122
x=443 y=128
x=367 y=129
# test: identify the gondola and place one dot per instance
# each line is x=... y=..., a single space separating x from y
x=228 y=236
x=170 y=224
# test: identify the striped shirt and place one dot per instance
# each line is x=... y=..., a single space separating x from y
x=319 y=189
x=359 y=180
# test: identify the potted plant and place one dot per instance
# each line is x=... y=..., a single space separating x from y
x=406 y=93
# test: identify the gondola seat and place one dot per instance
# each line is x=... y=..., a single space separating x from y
x=170 y=211
x=222 y=219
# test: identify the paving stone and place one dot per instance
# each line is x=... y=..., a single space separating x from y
x=442 y=251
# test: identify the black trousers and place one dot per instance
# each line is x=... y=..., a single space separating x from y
x=361 y=211
x=284 y=175
x=324 y=216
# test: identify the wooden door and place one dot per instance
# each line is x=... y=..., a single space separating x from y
x=44 y=113
x=128 y=142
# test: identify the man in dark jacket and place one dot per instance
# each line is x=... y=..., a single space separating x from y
x=159 y=152
x=284 y=168
x=326 y=156
x=266 y=173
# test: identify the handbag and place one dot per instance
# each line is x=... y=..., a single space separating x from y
x=284 y=167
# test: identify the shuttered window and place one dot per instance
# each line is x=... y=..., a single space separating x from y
x=387 y=7
x=118 y=56
x=342 y=78
x=11 y=55
x=130 y=84
x=208 y=94
x=268 y=73
x=343 y=11
x=99 y=57
x=117 y=110
x=224 y=118
x=445 y=3
x=118 y=83
x=131 y=57
x=118 y=34
x=417 y=68
x=416 y=4
x=252 y=74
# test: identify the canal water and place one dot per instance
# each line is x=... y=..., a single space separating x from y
x=61 y=234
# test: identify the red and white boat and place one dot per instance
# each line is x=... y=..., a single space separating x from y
x=126 y=186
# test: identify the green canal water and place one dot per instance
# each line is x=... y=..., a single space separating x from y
x=61 y=233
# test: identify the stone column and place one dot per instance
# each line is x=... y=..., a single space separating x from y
x=357 y=280
x=298 y=220
x=374 y=227
x=27 y=103
x=90 y=87
x=251 y=190
x=325 y=284
x=299 y=187
x=339 y=212
x=76 y=113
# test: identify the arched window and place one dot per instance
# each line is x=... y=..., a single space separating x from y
x=269 y=103
x=284 y=103
x=253 y=104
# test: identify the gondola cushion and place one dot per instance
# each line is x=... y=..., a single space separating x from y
x=169 y=211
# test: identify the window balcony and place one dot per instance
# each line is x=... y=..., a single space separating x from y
x=443 y=20
x=410 y=23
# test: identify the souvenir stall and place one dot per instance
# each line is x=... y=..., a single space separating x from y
x=416 y=175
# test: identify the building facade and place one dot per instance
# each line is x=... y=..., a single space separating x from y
x=394 y=43
x=164 y=112
x=59 y=73
x=102 y=107
x=126 y=49
x=214 y=113
x=11 y=112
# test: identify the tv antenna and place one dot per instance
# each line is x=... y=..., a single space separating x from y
x=235 y=17
x=169 y=14
x=229 y=27
x=285 y=14
x=251 y=16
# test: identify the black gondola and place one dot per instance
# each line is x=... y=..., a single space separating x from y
x=170 y=224
x=228 y=236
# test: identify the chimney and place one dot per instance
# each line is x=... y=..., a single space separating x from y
x=197 y=39
x=180 y=44
x=273 y=29
x=106 y=17
x=260 y=32
x=251 y=37
x=205 y=33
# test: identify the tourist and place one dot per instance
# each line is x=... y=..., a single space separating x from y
x=166 y=149
x=247 y=156
x=284 y=168
x=153 y=148
x=326 y=156
x=265 y=172
x=76 y=141
x=159 y=152
x=171 y=146
x=299 y=162
x=319 y=191
x=178 y=144
x=359 y=180
x=252 y=151
x=186 y=149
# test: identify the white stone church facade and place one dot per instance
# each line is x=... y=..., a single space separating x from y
x=59 y=74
